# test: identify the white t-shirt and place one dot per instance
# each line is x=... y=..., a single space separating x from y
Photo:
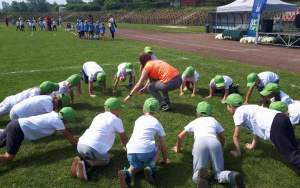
x=110 y=21
x=122 y=70
x=192 y=78
x=283 y=98
x=266 y=78
x=33 y=22
x=142 y=139
x=227 y=80
x=33 y=106
x=91 y=69
x=294 y=112
x=101 y=134
x=256 y=119
x=15 y=99
x=36 y=127
x=63 y=88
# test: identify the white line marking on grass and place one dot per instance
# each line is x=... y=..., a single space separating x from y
x=198 y=45
x=54 y=69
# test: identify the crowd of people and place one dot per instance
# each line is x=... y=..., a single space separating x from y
x=45 y=24
x=33 y=114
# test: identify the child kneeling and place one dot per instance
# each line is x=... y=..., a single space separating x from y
x=142 y=148
x=98 y=139
x=206 y=146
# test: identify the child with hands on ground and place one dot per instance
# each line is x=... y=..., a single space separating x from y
x=272 y=92
x=98 y=139
x=206 y=146
x=142 y=148
x=124 y=69
x=189 y=76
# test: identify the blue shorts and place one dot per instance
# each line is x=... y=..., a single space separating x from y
x=137 y=160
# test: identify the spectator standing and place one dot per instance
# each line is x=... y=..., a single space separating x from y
x=49 y=22
x=111 y=25
x=6 y=20
x=33 y=24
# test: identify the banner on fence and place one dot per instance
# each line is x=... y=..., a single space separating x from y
x=258 y=8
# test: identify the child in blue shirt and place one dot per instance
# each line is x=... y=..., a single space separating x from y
x=82 y=29
x=78 y=28
x=102 y=31
x=91 y=30
x=97 y=30
x=86 y=29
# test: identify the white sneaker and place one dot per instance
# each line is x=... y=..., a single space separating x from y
x=185 y=88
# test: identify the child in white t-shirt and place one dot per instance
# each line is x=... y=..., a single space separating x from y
x=266 y=124
x=189 y=76
x=92 y=72
x=45 y=88
x=272 y=92
x=38 y=105
x=125 y=69
x=97 y=140
x=142 y=148
x=206 y=146
x=67 y=86
x=220 y=84
x=260 y=80
x=33 y=128
x=291 y=110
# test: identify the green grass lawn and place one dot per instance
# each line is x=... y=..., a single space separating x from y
x=26 y=61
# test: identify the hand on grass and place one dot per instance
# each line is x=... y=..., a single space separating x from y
x=114 y=91
x=93 y=96
x=126 y=98
x=208 y=97
x=223 y=100
x=176 y=149
x=141 y=91
x=104 y=91
x=181 y=93
x=234 y=153
x=164 y=161
x=192 y=95
x=249 y=146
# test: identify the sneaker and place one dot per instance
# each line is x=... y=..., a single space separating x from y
x=81 y=173
x=236 y=180
x=124 y=178
x=165 y=107
x=202 y=178
x=150 y=173
x=185 y=88
x=237 y=89
x=74 y=167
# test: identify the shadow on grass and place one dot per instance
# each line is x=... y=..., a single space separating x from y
x=182 y=108
x=171 y=175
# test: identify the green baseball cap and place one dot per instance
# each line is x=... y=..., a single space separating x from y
x=112 y=104
x=204 y=109
x=219 y=81
x=101 y=78
x=251 y=79
x=74 y=79
x=151 y=105
x=67 y=114
x=189 y=71
x=270 y=88
x=148 y=49
x=234 y=99
x=279 y=106
x=48 y=87
x=128 y=67
x=65 y=100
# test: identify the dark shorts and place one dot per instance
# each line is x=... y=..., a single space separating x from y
x=91 y=32
x=81 y=33
x=12 y=137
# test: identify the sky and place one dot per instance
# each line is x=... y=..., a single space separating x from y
x=50 y=1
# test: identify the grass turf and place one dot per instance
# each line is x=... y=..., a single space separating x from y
x=27 y=61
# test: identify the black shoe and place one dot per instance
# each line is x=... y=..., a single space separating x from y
x=165 y=107
x=202 y=178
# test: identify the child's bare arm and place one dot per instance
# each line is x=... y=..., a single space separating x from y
x=164 y=150
x=253 y=144
x=178 y=148
x=248 y=95
x=124 y=138
x=69 y=136
x=116 y=84
x=194 y=89
x=222 y=139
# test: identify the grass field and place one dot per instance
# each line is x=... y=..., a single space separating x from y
x=26 y=61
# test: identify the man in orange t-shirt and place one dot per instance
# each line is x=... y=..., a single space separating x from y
x=162 y=77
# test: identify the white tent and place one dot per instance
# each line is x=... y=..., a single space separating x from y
x=246 y=6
